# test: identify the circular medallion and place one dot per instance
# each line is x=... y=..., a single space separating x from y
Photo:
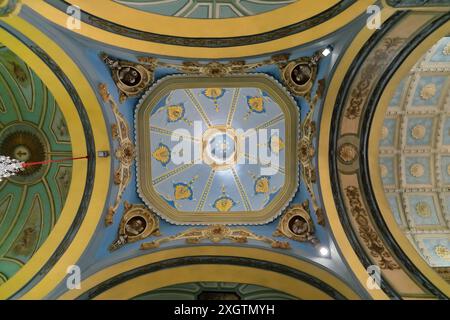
x=24 y=143
x=423 y=210
x=348 y=153
x=298 y=225
x=135 y=226
x=417 y=170
x=129 y=76
x=418 y=132
x=301 y=74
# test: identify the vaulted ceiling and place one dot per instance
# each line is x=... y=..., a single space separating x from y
x=415 y=158
x=206 y=9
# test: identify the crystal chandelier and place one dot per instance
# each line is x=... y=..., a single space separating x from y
x=10 y=167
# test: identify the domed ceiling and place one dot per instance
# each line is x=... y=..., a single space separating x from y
x=32 y=128
x=207 y=144
x=206 y=9
x=415 y=155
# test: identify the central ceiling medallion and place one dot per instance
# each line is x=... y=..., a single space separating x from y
x=217 y=150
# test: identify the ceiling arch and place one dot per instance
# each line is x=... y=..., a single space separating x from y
x=414 y=156
x=77 y=205
x=32 y=128
x=350 y=162
x=299 y=278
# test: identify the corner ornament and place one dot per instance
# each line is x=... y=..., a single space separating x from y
x=296 y=224
x=137 y=223
x=130 y=78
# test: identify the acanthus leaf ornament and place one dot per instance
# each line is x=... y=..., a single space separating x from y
x=216 y=234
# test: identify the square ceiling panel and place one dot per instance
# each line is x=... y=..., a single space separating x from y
x=217 y=150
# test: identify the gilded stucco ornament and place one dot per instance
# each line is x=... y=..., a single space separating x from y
x=137 y=223
x=296 y=224
x=381 y=57
x=348 y=153
x=446 y=50
x=423 y=210
x=299 y=75
x=307 y=151
x=214 y=68
x=125 y=152
x=216 y=233
x=442 y=252
x=367 y=233
x=384 y=132
x=383 y=170
x=131 y=78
